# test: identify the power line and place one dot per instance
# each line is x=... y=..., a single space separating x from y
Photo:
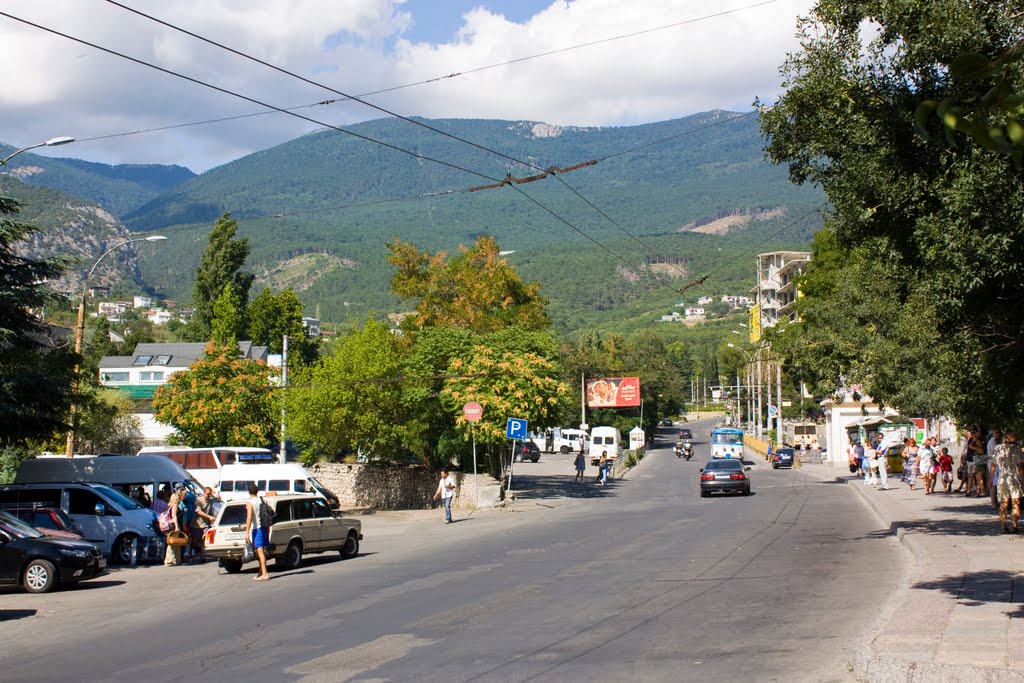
x=435 y=79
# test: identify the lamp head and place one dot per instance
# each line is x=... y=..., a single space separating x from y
x=155 y=238
x=63 y=140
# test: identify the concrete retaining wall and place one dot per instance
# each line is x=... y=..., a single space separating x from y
x=399 y=488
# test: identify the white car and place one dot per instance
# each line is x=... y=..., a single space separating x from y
x=305 y=524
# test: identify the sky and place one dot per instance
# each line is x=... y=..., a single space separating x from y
x=692 y=56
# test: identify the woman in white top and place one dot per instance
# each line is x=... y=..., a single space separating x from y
x=926 y=465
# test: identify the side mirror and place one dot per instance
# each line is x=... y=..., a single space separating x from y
x=4 y=538
x=747 y=469
x=701 y=469
x=100 y=509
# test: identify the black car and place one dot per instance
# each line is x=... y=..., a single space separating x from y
x=685 y=434
x=782 y=457
x=724 y=475
x=526 y=450
x=666 y=422
x=40 y=563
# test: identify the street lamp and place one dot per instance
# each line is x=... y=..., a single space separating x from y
x=80 y=327
x=52 y=142
x=750 y=406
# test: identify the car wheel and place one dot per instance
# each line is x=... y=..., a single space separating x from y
x=775 y=465
x=537 y=459
x=292 y=557
x=705 y=494
x=231 y=566
x=564 y=450
x=746 y=491
x=351 y=547
x=518 y=457
x=121 y=551
x=40 y=576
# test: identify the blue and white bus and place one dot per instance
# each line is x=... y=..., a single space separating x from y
x=727 y=442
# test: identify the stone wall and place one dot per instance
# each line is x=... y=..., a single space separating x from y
x=399 y=488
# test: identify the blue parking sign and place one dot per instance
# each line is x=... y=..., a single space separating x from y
x=515 y=428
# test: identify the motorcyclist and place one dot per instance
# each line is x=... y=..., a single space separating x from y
x=688 y=450
x=679 y=448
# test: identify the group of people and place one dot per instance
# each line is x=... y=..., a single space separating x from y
x=180 y=511
x=987 y=468
x=604 y=465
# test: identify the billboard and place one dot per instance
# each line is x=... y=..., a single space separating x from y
x=755 y=323
x=613 y=392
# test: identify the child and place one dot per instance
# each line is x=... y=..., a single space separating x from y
x=946 y=469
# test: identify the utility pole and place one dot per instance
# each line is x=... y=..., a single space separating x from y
x=778 y=416
x=284 y=384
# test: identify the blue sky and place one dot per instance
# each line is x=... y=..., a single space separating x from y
x=437 y=21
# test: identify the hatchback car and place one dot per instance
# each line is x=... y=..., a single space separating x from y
x=305 y=524
x=783 y=457
x=527 y=450
x=724 y=475
x=41 y=564
x=685 y=434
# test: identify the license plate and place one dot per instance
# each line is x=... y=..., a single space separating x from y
x=235 y=537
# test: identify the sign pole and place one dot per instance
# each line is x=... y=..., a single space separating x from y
x=476 y=480
x=511 y=461
x=472 y=412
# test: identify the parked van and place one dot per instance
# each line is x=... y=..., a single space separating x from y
x=205 y=463
x=122 y=472
x=271 y=479
x=605 y=439
x=105 y=516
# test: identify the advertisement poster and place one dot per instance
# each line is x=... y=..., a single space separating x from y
x=613 y=392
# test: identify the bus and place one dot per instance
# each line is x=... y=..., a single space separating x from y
x=727 y=442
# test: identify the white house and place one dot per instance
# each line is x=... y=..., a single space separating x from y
x=108 y=309
x=844 y=410
x=139 y=375
x=312 y=326
x=159 y=317
x=694 y=311
x=704 y=301
x=142 y=302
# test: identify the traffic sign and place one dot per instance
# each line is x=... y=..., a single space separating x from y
x=472 y=411
x=772 y=411
x=515 y=428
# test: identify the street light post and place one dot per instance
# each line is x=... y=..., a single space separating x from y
x=52 y=142
x=80 y=326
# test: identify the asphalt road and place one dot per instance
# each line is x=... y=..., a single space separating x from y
x=641 y=579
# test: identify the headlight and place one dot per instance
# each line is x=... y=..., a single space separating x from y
x=82 y=554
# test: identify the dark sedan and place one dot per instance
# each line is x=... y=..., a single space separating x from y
x=685 y=434
x=41 y=564
x=783 y=457
x=724 y=475
x=527 y=450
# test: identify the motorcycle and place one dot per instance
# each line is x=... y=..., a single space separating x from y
x=679 y=450
x=688 y=451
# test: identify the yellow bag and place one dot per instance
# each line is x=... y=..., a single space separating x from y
x=176 y=537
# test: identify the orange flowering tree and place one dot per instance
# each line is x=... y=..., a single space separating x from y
x=220 y=400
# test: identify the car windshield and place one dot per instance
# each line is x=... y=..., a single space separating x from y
x=118 y=497
x=724 y=465
x=17 y=527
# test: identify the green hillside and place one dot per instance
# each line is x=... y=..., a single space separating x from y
x=319 y=209
x=118 y=189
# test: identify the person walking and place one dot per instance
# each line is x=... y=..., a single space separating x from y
x=446 y=491
x=602 y=468
x=870 y=465
x=946 y=469
x=975 y=463
x=883 y=467
x=172 y=556
x=994 y=439
x=204 y=517
x=911 y=464
x=259 y=532
x=1011 y=480
x=580 y=463
x=927 y=465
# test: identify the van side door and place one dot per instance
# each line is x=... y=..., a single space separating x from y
x=81 y=507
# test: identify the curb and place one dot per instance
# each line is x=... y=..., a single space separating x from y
x=870 y=666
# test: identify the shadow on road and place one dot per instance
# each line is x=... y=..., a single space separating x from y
x=977 y=588
x=12 y=614
x=945 y=527
x=93 y=585
x=540 y=487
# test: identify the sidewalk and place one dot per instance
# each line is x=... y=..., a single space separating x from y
x=962 y=616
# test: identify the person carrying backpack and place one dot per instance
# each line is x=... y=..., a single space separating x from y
x=258 y=521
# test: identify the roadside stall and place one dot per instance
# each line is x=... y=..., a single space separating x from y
x=894 y=429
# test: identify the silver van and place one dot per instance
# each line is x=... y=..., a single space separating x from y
x=123 y=529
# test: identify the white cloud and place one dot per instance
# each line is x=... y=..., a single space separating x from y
x=56 y=87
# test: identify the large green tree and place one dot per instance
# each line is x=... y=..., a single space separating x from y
x=917 y=296
x=272 y=316
x=36 y=371
x=220 y=265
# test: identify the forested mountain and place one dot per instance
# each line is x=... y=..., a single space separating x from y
x=610 y=242
x=118 y=189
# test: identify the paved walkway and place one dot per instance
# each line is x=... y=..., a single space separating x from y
x=962 y=616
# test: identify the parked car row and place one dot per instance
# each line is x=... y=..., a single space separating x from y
x=41 y=563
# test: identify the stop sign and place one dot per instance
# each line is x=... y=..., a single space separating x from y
x=472 y=411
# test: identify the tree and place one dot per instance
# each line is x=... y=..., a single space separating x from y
x=476 y=290
x=220 y=399
x=918 y=297
x=220 y=265
x=36 y=374
x=228 y=324
x=271 y=317
x=352 y=400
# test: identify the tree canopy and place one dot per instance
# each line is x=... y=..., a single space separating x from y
x=220 y=265
x=914 y=289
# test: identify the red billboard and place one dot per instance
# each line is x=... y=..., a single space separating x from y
x=613 y=392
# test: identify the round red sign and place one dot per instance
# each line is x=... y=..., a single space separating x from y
x=472 y=411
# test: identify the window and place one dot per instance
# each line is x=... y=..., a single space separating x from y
x=321 y=510
x=279 y=485
x=283 y=511
x=150 y=376
x=44 y=520
x=300 y=486
x=234 y=515
x=226 y=486
x=142 y=360
x=302 y=509
x=48 y=497
x=243 y=486
x=161 y=360
x=114 y=377
x=83 y=502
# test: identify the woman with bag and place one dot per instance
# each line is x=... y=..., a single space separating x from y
x=926 y=460
x=172 y=557
x=1011 y=481
x=911 y=464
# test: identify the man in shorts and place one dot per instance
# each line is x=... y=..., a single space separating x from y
x=260 y=534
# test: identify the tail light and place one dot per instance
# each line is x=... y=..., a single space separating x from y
x=737 y=475
x=208 y=536
x=707 y=477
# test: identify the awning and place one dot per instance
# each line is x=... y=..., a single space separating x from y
x=137 y=391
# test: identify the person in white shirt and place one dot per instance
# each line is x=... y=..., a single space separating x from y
x=446 y=491
x=883 y=472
